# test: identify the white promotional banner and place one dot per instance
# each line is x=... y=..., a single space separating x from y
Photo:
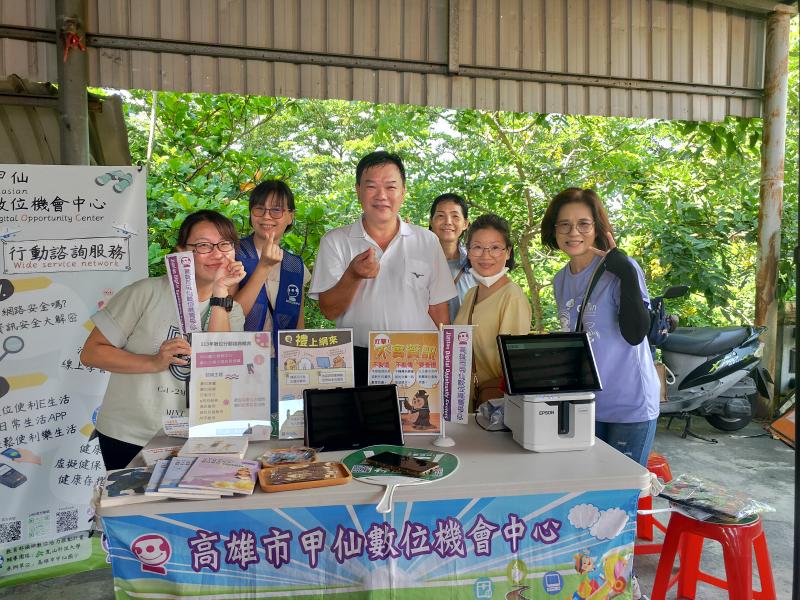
x=70 y=238
x=456 y=361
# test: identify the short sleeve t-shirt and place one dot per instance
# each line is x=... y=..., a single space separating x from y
x=413 y=276
x=138 y=319
x=630 y=383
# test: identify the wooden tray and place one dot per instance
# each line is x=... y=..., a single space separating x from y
x=304 y=475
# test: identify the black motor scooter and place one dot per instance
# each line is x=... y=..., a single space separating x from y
x=713 y=372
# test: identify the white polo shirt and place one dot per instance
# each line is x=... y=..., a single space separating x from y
x=413 y=276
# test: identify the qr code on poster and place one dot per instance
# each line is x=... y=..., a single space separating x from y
x=10 y=531
x=66 y=520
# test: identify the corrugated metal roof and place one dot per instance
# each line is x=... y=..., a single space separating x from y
x=29 y=126
x=677 y=59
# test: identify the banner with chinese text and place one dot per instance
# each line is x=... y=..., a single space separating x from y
x=70 y=237
x=537 y=547
x=456 y=359
x=310 y=359
x=410 y=360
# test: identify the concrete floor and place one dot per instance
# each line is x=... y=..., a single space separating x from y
x=745 y=460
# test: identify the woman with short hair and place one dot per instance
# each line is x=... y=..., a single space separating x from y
x=137 y=338
x=271 y=293
x=496 y=304
x=616 y=318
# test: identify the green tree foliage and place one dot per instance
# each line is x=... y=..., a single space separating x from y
x=683 y=196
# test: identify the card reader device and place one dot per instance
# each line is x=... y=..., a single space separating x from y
x=550 y=383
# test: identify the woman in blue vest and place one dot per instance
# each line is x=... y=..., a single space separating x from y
x=271 y=294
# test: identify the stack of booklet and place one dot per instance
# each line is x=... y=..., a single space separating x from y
x=205 y=469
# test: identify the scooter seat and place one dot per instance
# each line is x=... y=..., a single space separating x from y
x=705 y=341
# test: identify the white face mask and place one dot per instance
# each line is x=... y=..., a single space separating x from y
x=488 y=280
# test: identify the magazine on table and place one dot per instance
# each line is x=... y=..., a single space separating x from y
x=222 y=475
x=176 y=469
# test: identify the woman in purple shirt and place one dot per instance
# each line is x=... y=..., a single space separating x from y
x=616 y=318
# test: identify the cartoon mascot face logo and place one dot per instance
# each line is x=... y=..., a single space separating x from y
x=463 y=338
x=294 y=293
x=152 y=550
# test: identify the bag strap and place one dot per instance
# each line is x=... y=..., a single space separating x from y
x=460 y=273
x=599 y=269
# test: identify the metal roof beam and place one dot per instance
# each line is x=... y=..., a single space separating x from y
x=141 y=44
x=758 y=6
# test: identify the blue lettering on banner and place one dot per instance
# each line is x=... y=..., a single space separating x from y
x=341 y=551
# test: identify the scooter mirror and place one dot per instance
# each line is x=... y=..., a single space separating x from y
x=675 y=291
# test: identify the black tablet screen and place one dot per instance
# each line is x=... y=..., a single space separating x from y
x=348 y=418
x=548 y=363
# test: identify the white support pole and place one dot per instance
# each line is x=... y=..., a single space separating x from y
x=773 y=149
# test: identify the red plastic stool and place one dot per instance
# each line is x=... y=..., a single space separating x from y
x=686 y=535
x=658 y=464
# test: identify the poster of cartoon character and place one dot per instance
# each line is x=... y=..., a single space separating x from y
x=410 y=360
x=310 y=359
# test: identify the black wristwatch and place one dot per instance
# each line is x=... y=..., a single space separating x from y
x=226 y=302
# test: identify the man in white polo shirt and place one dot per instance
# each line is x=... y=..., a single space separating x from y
x=381 y=273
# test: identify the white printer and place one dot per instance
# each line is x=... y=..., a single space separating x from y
x=550 y=383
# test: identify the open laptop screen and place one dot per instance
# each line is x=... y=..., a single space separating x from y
x=548 y=363
x=350 y=418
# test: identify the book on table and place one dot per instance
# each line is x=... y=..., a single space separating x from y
x=177 y=468
x=161 y=446
x=221 y=474
x=227 y=446
x=126 y=486
x=151 y=489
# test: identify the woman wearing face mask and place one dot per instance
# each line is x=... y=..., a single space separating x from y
x=616 y=318
x=136 y=338
x=448 y=220
x=271 y=294
x=497 y=304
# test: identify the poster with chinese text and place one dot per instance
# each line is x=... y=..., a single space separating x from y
x=310 y=359
x=70 y=238
x=410 y=360
x=230 y=383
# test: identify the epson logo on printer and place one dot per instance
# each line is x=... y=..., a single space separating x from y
x=547 y=412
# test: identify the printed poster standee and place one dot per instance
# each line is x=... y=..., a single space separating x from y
x=70 y=237
x=409 y=359
x=310 y=358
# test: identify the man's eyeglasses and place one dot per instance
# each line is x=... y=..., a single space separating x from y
x=478 y=251
x=208 y=247
x=565 y=227
x=276 y=212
